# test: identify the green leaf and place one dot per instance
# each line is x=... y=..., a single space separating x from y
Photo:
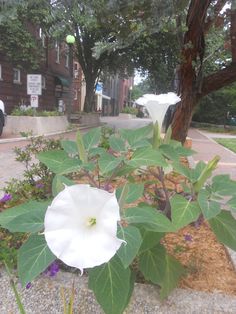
x=135 y=135
x=141 y=143
x=181 y=169
x=196 y=172
x=108 y=162
x=147 y=157
x=110 y=283
x=14 y=213
x=134 y=192
x=59 y=162
x=117 y=144
x=223 y=185
x=173 y=272
x=224 y=227
x=183 y=211
x=92 y=138
x=70 y=147
x=152 y=264
x=149 y=218
x=232 y=204
x=127 y=252
x=150 y=239
x=59 y=182
x=81 y=149
x=34 y=257
x=209 y=207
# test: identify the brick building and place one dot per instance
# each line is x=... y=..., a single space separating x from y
x=56 y=78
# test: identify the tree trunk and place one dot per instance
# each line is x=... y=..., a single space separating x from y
x=89 y=103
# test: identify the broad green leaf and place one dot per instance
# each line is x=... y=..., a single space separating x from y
x=224 y=227
x=59 y=182
x=181 y=169
x=209 y=207
x=32 y=221
x=156 y=139
x=223 y=185
x=135 y=135
x=14 y=213
x=127 y=252
x=117 y=144
x=149 y=218
x=59 y=162
x=169 y=152
x=96 y=151
x=172 y=274
x=196 y=172
x=150 y=239
x=141 y=143
x=183 y=151
x=167 y=136
x=33 y=258
x=81 y=149
x=92 y=138
x=124 y=170
x=134 y=192
x=183 y=211
x=108 y=162
x=152 y=264
x=70 y=147
x=110 y=283
x=232 y=204
x=146 y=157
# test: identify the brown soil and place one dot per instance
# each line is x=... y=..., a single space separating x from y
x=209 y=267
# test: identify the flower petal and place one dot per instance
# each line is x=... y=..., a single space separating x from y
x=81 y=226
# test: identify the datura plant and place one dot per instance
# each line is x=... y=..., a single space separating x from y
x=110 y=209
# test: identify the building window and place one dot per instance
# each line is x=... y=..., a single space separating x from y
x=0 y=72
x=16 y=75
x=43 y=37
x=76 y=70
x=75 y=94
x=43 y=82
x=57 y=48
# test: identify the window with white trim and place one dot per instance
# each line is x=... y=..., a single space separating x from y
x=43 y=37
x=57 y=48
x=16 y=76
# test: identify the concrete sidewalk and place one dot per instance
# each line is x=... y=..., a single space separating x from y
x=206 y=148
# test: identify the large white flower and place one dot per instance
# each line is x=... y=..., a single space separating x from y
x=81 y=226
x=157 y=105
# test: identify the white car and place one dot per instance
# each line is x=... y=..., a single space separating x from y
x=2 y=116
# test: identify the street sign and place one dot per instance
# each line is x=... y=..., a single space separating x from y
x=34 y=101
x=34 y=84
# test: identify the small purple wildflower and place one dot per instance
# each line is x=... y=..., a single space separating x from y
x=6 y=198
x=52 y=269
x=188 y=238
x=39 y=185
x=28 y=286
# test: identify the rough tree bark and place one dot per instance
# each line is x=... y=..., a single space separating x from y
x=192 y=84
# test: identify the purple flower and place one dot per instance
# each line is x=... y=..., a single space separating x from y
x=28 y=286
x=52 y=269
x=188 y=238
x=39 y=185
x=6 y=198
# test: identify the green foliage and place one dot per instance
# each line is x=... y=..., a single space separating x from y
x=130 y=110
x=135 y=163
x=32 y=112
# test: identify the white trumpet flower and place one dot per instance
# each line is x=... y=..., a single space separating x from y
x=157 y=105
x=81 y=226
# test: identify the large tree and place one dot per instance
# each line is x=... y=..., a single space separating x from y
x=193 y=83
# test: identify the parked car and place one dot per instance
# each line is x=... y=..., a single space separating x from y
x=3 y=116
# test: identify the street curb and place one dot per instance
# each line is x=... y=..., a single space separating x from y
x=21 y=139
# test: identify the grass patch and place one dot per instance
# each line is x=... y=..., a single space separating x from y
x=218 y=130
x=230 y=143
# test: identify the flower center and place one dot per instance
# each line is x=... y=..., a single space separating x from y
x=91 y=221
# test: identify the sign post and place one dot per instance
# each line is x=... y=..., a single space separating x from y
x=34 y=88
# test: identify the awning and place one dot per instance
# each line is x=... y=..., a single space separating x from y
x=62 y=81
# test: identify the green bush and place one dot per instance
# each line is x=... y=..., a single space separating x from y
x=130 y=110
x=31 y=112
